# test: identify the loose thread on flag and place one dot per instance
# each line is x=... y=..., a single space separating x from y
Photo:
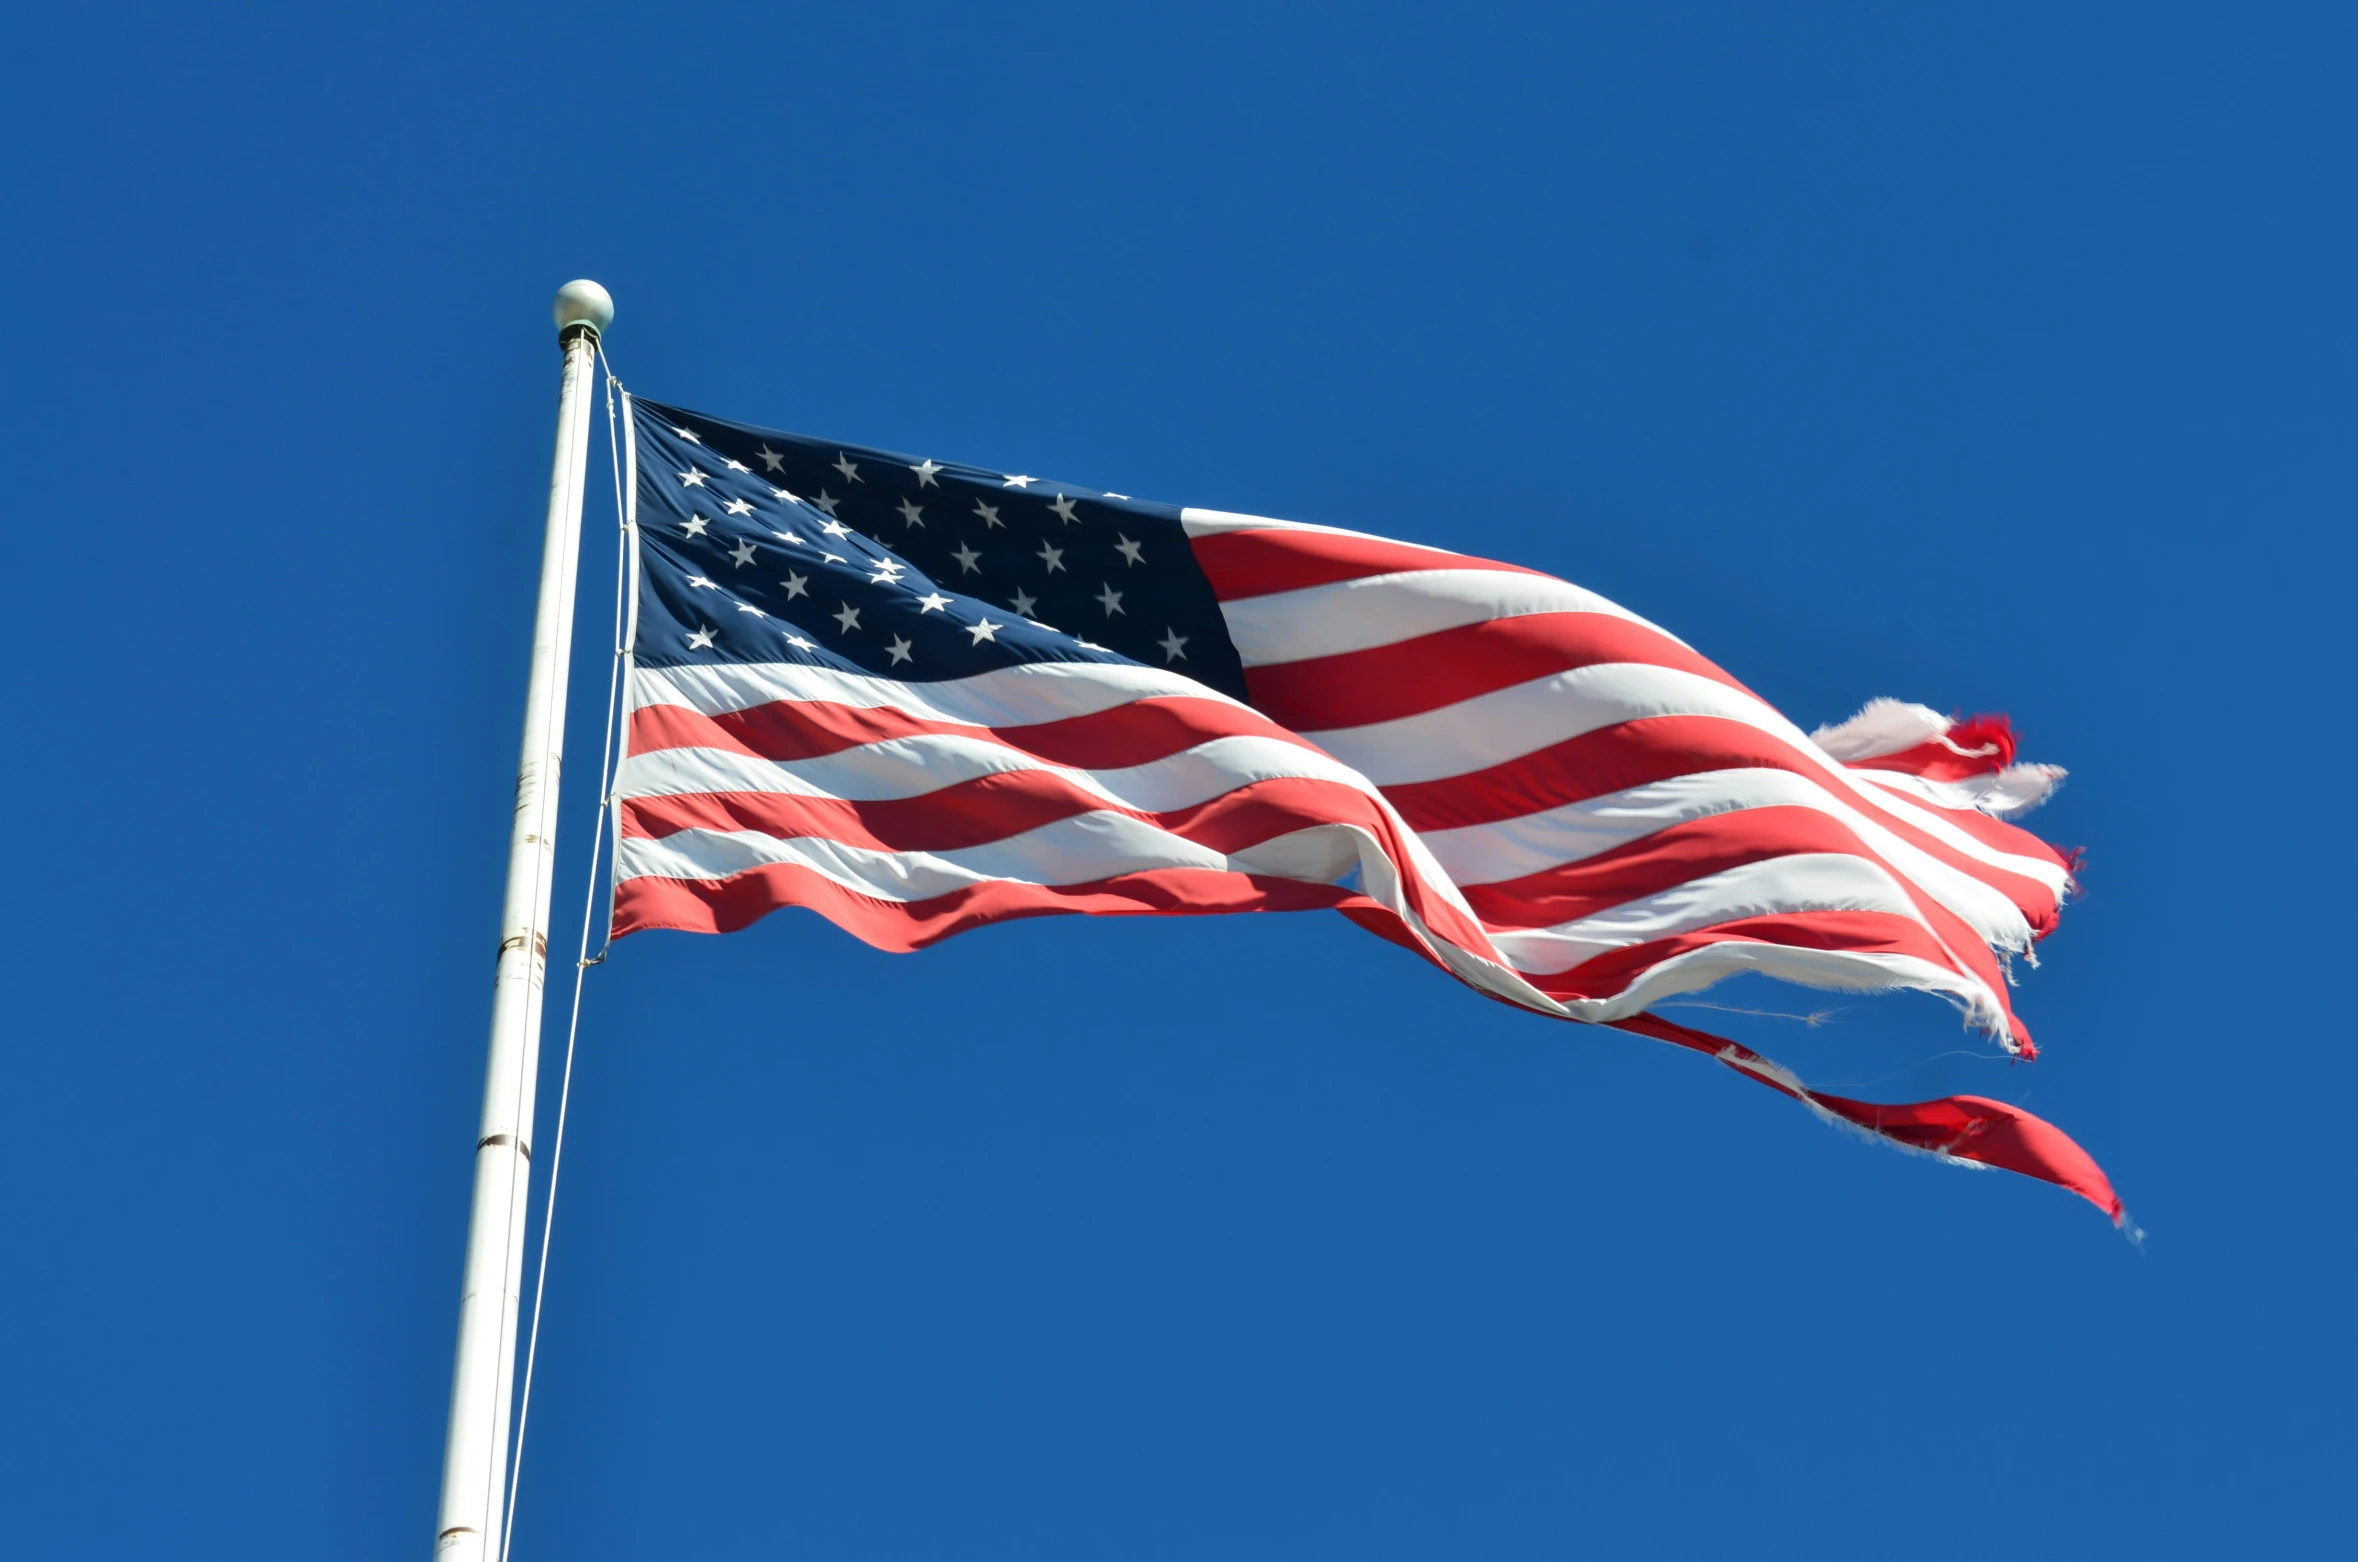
x=1813 y=1019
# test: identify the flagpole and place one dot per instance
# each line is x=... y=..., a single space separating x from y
x=475 y=1457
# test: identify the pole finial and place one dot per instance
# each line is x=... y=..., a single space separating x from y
x=583 y=305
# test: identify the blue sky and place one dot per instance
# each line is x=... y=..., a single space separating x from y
x=1999 y=361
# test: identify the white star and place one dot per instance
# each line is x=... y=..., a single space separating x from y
x=1020 y=482
x=989 y=514
x=967 y=559
x=925 y=470
x=747 y=607
x=832 y=558
x=849 y=618
x=787 y=537
x=739 y=466
x=1064 y=510
x=701 y=584
x=899 y=649
x=1110 y=600
x=798 y=642
x=1090 y=645
x=772 y=461
x=742 y=553
x=690 y=438
x=1024 y=603
x=694 y=526
x=932 y=602
x=1052 y=557
x=983 y=629
x=785 y=494
x=739 y=507
x=843 y=464
x=1117 y=496
x=1174 y=645
x=794 y=584
x=835 y=528
x=887 y=573
x=701 y=640
x=911 y=513
x=1133 y=551
x=691 y=478
x=827 y=502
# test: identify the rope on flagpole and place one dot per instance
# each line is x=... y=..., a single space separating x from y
x=626 y=649
x=582 y=962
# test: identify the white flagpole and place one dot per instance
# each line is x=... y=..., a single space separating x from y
x=475 y=1458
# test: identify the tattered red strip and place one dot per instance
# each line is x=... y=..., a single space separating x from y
x=1968 y=1128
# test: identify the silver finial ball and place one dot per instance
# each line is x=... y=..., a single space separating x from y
x=584 y=303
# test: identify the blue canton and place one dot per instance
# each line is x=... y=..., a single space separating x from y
x=758 y=546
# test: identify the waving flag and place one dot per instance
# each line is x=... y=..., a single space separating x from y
x=916 y=697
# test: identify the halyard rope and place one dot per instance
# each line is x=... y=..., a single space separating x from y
x=582 y=962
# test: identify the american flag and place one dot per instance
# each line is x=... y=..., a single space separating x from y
x=917 y=696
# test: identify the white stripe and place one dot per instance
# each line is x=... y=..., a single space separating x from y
x=2017 y=789
x=1023 y=695
x=1210 y=523
x=927 y=762
x=1316 y=854
x=1374 y=610
x=1799 y=881
x=1882 y=726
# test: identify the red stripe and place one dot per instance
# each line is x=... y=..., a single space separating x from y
x=1661 y=748
x=1410 y=677
x=1256 y=563
x=727 y=904
x=1137 y=733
